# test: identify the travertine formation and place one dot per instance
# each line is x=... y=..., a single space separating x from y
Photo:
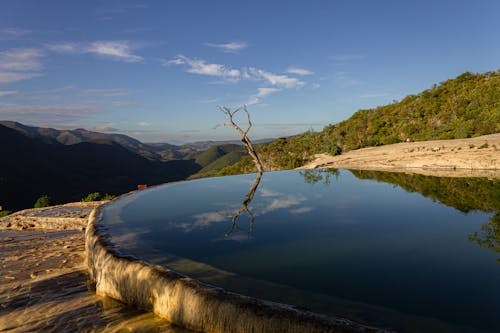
x=475 y=157
x=43 y=281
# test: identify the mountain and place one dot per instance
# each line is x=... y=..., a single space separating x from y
x=216 y=158
x=466 y=106
x=34 y=164
x=71 y=137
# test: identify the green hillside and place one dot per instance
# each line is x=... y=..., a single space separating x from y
x=220 y=163
x=466 y=106
x=213 y=153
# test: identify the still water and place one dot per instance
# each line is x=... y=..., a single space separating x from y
x=409 y=252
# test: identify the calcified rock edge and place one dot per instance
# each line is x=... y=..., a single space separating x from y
x=190 y=303
x=474 y=157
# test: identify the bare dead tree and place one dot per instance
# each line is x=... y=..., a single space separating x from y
x=244 y=207
x=251 y=151
x=244 y=138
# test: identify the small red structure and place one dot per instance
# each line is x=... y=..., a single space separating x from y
x=142 y=187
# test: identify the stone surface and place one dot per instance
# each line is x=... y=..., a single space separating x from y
x=475 y=157
x=44 y=283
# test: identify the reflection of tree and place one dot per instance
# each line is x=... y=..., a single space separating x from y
x=489 y=236
x=313 y=176
x=244 y=207
x=464 y=194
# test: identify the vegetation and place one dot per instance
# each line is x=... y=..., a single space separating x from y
x=43 y=201
x=464 y=107
x=96 y=196
x=4 y=213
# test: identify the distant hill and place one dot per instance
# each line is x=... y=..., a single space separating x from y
x=216 y=158
x=33 y=165
x=71 y=137
x=466 y=106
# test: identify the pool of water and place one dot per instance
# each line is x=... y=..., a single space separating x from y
x=413 y=253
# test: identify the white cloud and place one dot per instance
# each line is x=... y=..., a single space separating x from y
x=12 y=33
x=50 y=113
x=315 y=85
x=22 y=60
x=276 y=204
x=301 y=210
x=65 y=47
x=107 y=92
x=276 y=79
x=6 y=77
x=7 y=92
x=117 y=50
x=201 y=67
x=231 y=47
x=299 y=71
x=262 y=92
x=144 y=124
x=105 y=129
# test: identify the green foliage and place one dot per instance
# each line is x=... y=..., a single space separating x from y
x=4 y=213
x=96 y=196
x=464 y=107
x=43 y=201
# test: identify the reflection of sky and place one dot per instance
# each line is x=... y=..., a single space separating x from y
x=383 y=238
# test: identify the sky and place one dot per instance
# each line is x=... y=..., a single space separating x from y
x=158 y=70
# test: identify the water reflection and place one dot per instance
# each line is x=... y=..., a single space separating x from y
x=244 y=208
x=464 y=194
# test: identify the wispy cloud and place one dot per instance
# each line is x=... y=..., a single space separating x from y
x=261 y=93
x=52 y=113
x=13 y=61
x=119 y=50
x=12 y=33
x=21 y=60
x=315 y=86
x=199 y=66
x=347 y=57
x=290 y=201
x=231 y=47
x=107 y=92
x=144 y=124
x=299 y=71
x=301 y=210
x=105 y=129
x=283 y=81
x=7 y=92
x=344 y=79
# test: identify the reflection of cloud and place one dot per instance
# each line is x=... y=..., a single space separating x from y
x=283 y=203
x=264 y=192
x=301 y=210
x=130 y=238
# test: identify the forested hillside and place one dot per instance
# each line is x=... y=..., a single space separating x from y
x=466 y=106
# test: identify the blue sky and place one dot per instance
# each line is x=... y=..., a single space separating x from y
x=157 y=70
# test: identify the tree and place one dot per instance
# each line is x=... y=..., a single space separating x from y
x=246 y=141
x=43 y=201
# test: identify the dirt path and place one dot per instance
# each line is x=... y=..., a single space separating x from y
x=43 y=280
x=475 y=157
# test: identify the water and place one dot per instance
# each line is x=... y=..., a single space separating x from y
x=364 y=245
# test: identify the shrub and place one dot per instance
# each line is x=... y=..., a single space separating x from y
x=91 y=197
x=96 y=196
x=5 y=213
x=334 y=150
x=43 y=201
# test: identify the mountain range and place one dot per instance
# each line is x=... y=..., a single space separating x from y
x=68 y=164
